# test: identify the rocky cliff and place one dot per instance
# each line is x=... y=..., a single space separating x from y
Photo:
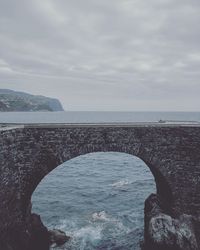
x=165 y=232
x=19 y=101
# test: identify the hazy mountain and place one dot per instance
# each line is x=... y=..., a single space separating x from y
x=20 y=101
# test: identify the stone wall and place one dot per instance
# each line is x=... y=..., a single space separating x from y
x=27 y=155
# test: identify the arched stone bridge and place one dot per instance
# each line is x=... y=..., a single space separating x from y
x=28 y=153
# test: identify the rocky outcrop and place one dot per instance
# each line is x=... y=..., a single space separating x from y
x=20 y=101
x=40 y=238
x=58 y=237
x=163 y=232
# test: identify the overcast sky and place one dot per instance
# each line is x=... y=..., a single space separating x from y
x=103 y=54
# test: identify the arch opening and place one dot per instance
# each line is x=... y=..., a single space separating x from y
x=97 y=199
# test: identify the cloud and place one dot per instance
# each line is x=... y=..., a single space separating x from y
x=117 y=54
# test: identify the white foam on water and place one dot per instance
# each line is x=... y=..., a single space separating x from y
x=80 y=236
x=65 y=225
x=117 y=224
x=89 y=236
x=121 y=183
x=100 y=216
x=91 y=233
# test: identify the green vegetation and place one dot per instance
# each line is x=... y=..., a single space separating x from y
x=19 y=101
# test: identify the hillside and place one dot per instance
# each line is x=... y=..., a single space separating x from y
x=19 y=101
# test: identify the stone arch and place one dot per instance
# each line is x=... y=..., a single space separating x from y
x=171 y=152
x=51 y=161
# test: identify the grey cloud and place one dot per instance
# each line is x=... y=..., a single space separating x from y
x=119 y=53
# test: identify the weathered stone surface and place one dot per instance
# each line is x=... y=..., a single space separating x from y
x=58 y=237
x=162 y=232
x=28 y=154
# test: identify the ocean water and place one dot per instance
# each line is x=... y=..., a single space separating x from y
x=97 y=199
x=91 y=116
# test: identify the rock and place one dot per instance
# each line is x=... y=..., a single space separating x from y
x=40 y=239
x=173 y=233
x=162 y=232
x=58 y=237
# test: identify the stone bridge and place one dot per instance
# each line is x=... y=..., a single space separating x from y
x=30 y=152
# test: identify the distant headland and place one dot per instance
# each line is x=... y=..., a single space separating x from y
x=20 y=101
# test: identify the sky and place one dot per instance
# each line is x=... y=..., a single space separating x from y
x=126 y=55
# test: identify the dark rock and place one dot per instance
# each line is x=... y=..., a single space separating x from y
x=40 y=239
x=58 y=237
x=162 y=232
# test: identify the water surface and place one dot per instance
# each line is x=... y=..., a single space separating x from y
x=86 y=116
x=97 y=199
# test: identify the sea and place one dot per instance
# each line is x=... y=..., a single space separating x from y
x=97 y=199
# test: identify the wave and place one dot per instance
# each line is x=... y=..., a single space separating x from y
x=101 y=216
x=94 y=235
x=121 y=183
x=81 y=236
x=89 y=232
x=115 y=223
